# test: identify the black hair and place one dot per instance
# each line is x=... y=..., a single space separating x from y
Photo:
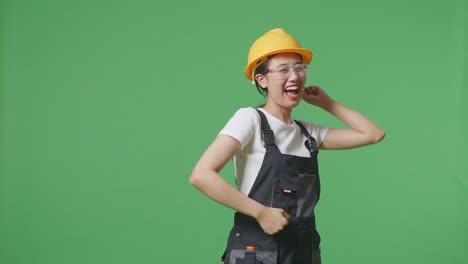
x=261 y=69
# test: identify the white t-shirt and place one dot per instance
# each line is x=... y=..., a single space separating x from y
x=244 y=126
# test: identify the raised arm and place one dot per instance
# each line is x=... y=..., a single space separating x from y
x=205 y=176
x=361 y=131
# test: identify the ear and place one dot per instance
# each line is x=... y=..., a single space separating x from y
x=262 y=81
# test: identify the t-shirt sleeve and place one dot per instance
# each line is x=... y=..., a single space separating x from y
x=241 y=126
x=316 y=131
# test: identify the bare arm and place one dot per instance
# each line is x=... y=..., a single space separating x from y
x=205 y=176
x=361 y=132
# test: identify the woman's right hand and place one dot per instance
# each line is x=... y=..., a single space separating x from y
x=272 y=220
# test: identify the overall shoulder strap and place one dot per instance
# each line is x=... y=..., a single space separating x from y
x=311 y=143
x=268 y=135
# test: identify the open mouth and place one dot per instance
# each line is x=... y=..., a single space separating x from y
x=292 y=92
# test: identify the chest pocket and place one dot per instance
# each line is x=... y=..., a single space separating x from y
x=297 y=194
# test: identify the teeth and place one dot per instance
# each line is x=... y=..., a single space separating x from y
x=292 y=88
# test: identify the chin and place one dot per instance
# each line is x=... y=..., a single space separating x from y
x=292 y=104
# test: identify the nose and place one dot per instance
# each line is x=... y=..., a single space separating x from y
x=293 y=74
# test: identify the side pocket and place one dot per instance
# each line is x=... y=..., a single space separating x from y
x=239 y=256
x=248 y=243
x=316 y=257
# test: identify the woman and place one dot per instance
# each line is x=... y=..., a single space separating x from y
x=276 y=158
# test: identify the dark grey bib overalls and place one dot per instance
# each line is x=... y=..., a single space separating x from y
x=288 y=182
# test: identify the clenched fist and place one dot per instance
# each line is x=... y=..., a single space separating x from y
x=272 y=220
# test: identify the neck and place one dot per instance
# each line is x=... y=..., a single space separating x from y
x=283 y=114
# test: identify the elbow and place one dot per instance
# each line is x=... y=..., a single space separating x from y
x=378 y=136
x=196 y=178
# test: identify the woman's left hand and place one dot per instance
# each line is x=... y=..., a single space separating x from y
x=316 y=96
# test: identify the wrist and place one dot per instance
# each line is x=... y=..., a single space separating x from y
x=329 y=105
x=257 y=209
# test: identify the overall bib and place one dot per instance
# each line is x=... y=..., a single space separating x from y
x=288 y=182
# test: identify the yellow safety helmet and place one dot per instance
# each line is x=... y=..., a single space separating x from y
x=273 y=42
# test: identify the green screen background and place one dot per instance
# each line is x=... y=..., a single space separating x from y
x=106 y=106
